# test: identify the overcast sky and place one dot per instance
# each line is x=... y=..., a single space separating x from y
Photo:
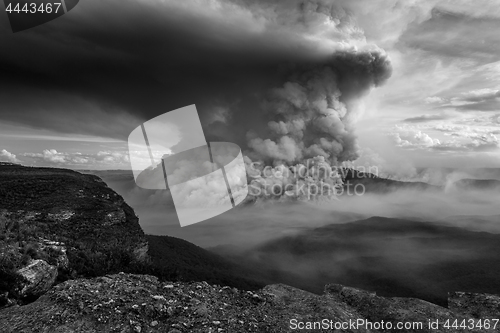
x=72 y=90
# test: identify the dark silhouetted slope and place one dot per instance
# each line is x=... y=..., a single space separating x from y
x=391 y=256
x=478 y=184
x=177 y=259
x=378 y=185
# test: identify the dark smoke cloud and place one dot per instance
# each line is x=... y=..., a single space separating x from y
x=108 y=66
x=305 y=126
x=312 y=113
x=279 y=78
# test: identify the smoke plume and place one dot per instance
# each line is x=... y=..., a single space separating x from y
x=312 y=114
x=309 y=126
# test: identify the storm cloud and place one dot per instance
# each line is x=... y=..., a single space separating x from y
x=106 y=67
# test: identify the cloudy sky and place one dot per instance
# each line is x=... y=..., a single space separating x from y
x=422 y=76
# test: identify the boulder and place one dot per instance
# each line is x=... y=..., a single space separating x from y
x=141 y=252
x=40 y=277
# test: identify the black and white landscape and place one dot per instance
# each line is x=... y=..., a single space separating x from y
x=393 y=104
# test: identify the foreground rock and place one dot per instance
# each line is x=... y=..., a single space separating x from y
x=140 y=303
x=39 y=277
x=475 y=305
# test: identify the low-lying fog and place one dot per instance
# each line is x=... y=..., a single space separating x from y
x=255 y=223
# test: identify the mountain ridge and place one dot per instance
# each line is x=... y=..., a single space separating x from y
x=395 y=257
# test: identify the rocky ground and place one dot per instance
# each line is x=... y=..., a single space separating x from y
x=140 y=303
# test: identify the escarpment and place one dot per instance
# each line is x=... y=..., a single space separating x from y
x=57 y=224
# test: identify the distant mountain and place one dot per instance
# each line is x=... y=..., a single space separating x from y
x=485 y=223
x=122 y=181
x=9 y=164
x=437 y=173
x=375 y=184
x=391 y=256
x=478 y=184
x=111 y=174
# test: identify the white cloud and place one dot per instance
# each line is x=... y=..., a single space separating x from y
x=462 y=139
x=112 y=157
x=476 y=143
x=101 y=159
x=53 y=156
x=6 y=156
x=412 y=139
x=48 y=155
x=485 y=92
x=480 y=120
x=434 y=99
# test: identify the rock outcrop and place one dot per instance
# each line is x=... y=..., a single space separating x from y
x=141 y=303
x=57 y=224
x=475 y=305
x=61 y=258
x=39 y=277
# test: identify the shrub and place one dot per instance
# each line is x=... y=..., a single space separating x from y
x=10 y=281
x=32 y=252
